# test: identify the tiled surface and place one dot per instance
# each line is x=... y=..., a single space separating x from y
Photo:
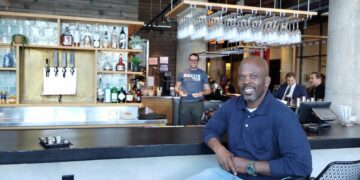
x=7 y=78
x=3 y=52
x=117 y=80
x=8 y=82
x=38 y=31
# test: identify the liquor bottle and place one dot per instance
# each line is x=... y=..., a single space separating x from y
x=122 y=39
x=97 y=37
x=106 y=41
x=2 y=97
x=129 y=97
x=138 y=92
x=107 y=65
x=120 y=66
x=114 y=95
x=87 y=37
x=107 y=98
x=77 y=36
x=66 y=38
x=100 y=91
x=114 y=42
x=122 y=95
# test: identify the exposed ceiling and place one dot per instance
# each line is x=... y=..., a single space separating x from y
x=112 y=9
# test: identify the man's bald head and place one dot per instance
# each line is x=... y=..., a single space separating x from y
x=254 y=80
x=260 y=62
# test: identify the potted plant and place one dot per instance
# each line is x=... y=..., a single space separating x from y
x=135 y=61
x=136 y=42
x=19 y=39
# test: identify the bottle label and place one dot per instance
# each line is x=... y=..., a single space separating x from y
x=120 y=68
x=114 y=45
x=121 y=96
x=87 y=41
x=67 y=40
x=113 y=97
x=96 y=44
x=129 y=98
x=77 y=37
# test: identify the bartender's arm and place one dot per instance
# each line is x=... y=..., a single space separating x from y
x=178 y=91
x=206 y=90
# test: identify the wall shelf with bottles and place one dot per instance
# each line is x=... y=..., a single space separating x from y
x=52 y=104
x=120 y=72
x=47 y=34
x=7 y=69
x=133 y=51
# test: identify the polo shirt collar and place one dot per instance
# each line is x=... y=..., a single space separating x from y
x=261 y=109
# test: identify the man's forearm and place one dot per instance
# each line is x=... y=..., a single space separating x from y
x=261 y=167
x=206 y=92
x=215 y=144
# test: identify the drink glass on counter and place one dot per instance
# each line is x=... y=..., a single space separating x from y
x=288 y=100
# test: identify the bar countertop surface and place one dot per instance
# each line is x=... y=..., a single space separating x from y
x=22 y=146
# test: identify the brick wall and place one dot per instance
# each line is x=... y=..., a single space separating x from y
x=162 y=40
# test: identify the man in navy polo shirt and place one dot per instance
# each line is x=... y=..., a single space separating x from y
x=265 y=139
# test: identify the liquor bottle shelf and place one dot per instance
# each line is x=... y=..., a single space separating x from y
x=68 y=104
x=7 y=69
x=30 y=58
x=4 y=44
x=82 y=48
x=120 y=72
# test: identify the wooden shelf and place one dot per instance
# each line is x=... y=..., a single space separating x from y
x=9 y=105
x=132 y=25
x=120 y=72
x=134 y=51
x=32 y=56
x=82 y=48
x=7 y=69
x=4 y=44
x=68 y=104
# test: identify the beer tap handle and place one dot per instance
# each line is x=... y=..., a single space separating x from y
x=72 y=62
x=64 y=72
x=47 y=68
x=56 y=62
x=63 y=63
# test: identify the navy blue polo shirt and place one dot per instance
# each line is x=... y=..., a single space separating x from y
x=270 y=133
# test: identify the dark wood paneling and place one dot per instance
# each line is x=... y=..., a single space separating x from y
x=112 y=9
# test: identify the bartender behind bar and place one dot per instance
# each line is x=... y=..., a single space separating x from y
x=192 y=84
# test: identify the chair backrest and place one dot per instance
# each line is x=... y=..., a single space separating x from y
x=341 y=170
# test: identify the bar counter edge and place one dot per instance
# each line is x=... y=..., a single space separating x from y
x=22 y=146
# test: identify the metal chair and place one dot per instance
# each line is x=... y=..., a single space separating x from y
x=340 y=170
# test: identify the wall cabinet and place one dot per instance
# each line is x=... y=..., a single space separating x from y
x=25 y=78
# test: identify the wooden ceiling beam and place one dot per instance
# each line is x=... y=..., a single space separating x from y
x=233 y=8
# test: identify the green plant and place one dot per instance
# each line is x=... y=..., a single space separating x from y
x=135 y=61
x=19 y=39
x=136 y=41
